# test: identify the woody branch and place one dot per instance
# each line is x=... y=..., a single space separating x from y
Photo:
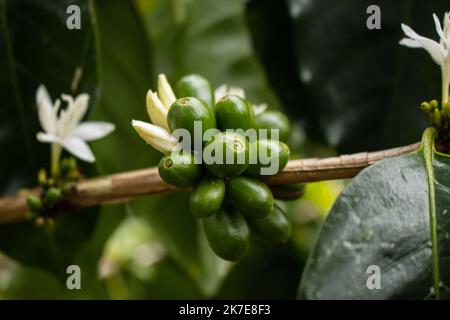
x=122 y=187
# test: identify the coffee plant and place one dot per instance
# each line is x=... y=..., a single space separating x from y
x=297 y=149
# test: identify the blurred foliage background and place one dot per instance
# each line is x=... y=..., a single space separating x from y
x=312 y=59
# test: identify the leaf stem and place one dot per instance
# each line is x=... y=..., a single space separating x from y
x=427 y=149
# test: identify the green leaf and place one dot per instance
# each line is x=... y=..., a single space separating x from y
x=36 y=48
x=393 y=215
x=51 y=247
x=356 y=88
x=126 y=74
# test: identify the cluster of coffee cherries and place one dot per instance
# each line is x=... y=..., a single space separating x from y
x=239 y=145
x=46 y=204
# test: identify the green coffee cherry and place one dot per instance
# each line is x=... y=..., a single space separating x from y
x=196 y=86
x=275 y=228
x=207 y=197
x=52 y=195
x=34 y=203
x=179 y=169
x=228 y=234
x=269 y=120
x=233 y=112
x=186 y=111
x=288 y=191
x=271 y=157
x=249 y=196
x=226 y=154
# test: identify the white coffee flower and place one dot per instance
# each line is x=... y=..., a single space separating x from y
x=159 y=138
x=165 y=91
x=156 y=110
x=63 y=128
x=158 y=103
x=226 y=89
x=439 y=51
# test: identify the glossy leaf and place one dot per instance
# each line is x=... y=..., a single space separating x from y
x=354 y=87
x=36 y=47
x=206 y=37
x=380 y=224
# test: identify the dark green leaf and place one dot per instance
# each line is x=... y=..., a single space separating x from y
x=36 y=48
x=53 y=247
x=382 y=219
x=354 y=87
x=126 y=75
x=207 y=37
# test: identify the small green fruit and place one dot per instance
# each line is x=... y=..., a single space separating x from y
x=233 y=112
x=249 y=196
x=186 y=111
x=34 y=203
x=179 y=169
x=271 y=156
x=226 y=154
x=274 y=120
x=207 y=197
x=228 y=234
x=275 y=228
x=196 y=86
x=53 y=195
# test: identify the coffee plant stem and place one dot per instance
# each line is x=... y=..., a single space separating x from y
x=55 y=156
x=428 y=140
x=125 y=186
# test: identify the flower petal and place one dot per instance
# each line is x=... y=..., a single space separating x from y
x=165 y=91
x=46 y=114
x=156 y=136
x=225 y=89
x=78 y=148
x=74 y=113
x=156 y=110
x=434 y=49
x=47 y=137
x=407 y=42
x=439 y=30
x=93 y=130
x=259 y=108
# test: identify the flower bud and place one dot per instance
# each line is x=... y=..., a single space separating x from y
x=42 y=177
x=165 y=91
x=446 y=110
x=157 y=137
x=434 y=105
x=426 y=107
x=156 y=110
x=437 y=119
